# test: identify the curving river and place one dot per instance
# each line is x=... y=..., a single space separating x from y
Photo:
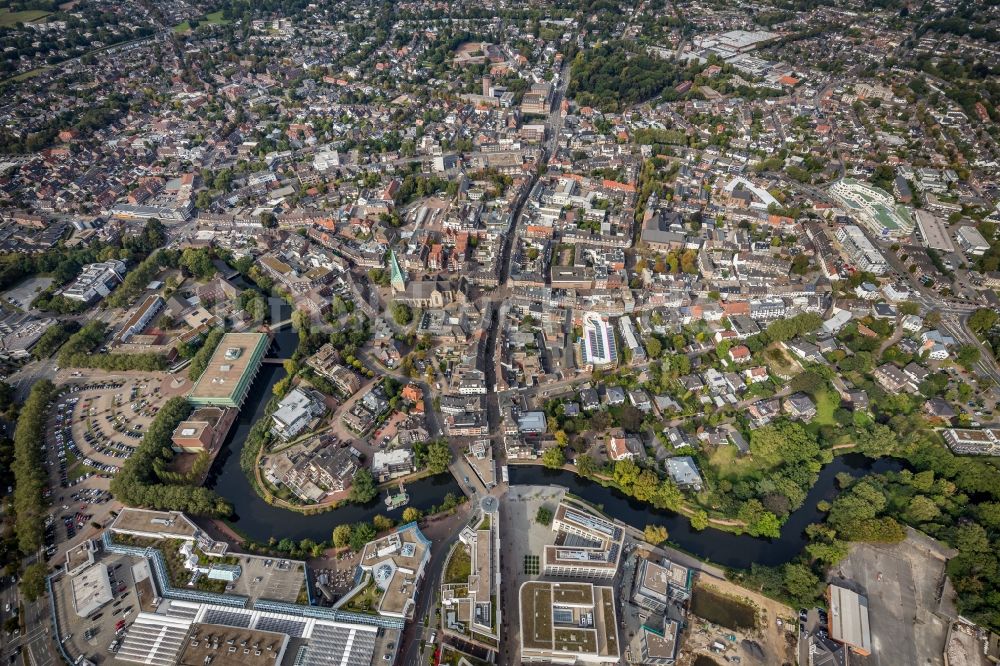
x=724 y=548
x=260 y=521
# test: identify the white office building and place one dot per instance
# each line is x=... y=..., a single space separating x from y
x=96 y=281
x=594 y=549
x=862 y=253
x=972 y=242
x=873 y=207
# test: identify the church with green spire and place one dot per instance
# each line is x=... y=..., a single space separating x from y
x=397 y=275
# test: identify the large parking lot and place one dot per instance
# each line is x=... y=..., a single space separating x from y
x=97 y=425
x=902 y=583
x=95 y=633
x=79 y=510
x=94 y=425
x=270 y=578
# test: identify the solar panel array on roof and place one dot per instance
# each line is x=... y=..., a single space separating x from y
x=155 y=641
x=332 y=645
x=592 y=522
x=226 y=617
x=180 y=611
x=281 y=625
x=576 y=541
x=596 y=343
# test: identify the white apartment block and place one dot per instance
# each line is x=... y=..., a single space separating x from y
x=593 y=549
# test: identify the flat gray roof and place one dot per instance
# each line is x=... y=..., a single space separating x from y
x=849 y=619
x=933 y=232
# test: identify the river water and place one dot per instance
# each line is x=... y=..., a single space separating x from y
x=723 y=548
x=260 y=521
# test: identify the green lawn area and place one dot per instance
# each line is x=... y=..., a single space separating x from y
x=8 y=18
x=74 y=472
x=24 y=76
x=215 y=18
x=827 y=402
x=459 y=566
x=778 y=362
x=729 y=464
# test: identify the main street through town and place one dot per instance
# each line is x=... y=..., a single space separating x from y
x=494 y=305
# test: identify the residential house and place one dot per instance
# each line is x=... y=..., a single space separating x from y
x=296 y=411
x=800 y=406
x=740 y=354
x=624 y=447
x=684 y=472
x=763 y=411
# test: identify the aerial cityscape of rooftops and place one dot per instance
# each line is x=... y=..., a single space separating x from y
x=392 y=332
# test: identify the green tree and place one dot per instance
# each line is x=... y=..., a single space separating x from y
x=401 y=313
x=30 y=472
x=553 y=457
x=204 y=354
x=626 y=473
x=411 y=514
x=801 y=583
x=438 y=457
x=922 y=509
x=33 y=581
x=982 y=320
x=585 y=465
x=300 y=320
x=699 y=519
x=341 y=535
x=783 y=442
x=655 y=534
x=967 y=356
x=989 y=514
x=361 y=534
x=807 y=382
x=759 y=521
x=876 y=441
x=828 y=554
x=204 y=200
x=198 y=262
x=543 y=516
x=363 y=488
x=383 y=523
